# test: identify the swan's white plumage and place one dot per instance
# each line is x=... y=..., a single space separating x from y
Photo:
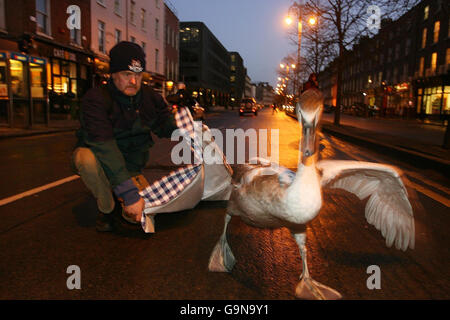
x=270 y=196
x=388 y=208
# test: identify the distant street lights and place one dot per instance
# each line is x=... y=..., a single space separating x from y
x=298 y=8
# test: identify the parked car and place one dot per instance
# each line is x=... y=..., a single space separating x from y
x=359 y=109
x=197 y=111
x=248 y=105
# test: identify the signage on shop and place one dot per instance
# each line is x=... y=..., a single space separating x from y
x=74 y=20
x=63 y=54
x=37 y=60
x=402 y=86
x=18 y=56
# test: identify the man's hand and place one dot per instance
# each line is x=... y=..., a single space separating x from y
x=135 y=210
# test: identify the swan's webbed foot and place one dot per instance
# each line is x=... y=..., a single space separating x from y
x=310 y=289
x=222 y=258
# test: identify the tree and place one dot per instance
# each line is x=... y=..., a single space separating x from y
x=345 y=21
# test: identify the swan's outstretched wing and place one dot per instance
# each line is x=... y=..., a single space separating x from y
x=388 y=208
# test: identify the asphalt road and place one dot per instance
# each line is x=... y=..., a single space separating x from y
x=42 y=234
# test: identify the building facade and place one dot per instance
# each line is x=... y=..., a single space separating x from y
x=45 y=67
x=237 y=77
x=404 y=69
x=138 y=21
x=171 y=48
x=204 y=64
x=264 y=93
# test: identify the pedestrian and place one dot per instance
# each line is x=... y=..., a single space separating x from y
x=114 y=138
x=311 y=83
x=274 y=108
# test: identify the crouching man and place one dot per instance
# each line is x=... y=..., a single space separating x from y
x=114 y=138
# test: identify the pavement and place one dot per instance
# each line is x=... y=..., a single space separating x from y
x=413 y=140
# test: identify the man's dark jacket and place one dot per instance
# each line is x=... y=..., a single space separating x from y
x=119 y=134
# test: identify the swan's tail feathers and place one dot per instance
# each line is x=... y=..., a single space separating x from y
x=221 y=259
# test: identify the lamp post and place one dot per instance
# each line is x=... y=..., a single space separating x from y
x=298 y=8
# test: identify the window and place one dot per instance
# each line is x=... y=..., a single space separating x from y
x=156 y=28
x=132 y=7
x=157 y=4
x=117 y=7
x=101 y=2
x=424 y=37
x=43 y=16
x=421 y=66
x=143 y=45
x=156 y=59
x=433 y=61
x=117 y=35
x=101 y=36
x=447 y=57
x=143 y=18
x=425 y=12
x=75 y=36
x=437 y=26
x=133 y=39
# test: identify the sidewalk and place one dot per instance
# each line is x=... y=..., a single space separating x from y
x=54 y=127
x=410 y=140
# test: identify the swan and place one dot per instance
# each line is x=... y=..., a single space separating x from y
x=270 y=196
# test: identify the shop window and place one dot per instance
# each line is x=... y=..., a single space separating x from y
x=37 y=80
x=425 y=12
x=446 y=101
x=18 y=79
x=49 y=76
x=3 y=83
x=447 y=56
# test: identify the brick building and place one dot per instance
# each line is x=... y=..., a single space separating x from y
x=44 y=66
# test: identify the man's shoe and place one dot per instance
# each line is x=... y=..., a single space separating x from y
x=105 y=222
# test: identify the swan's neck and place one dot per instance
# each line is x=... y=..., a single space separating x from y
x=303 y=197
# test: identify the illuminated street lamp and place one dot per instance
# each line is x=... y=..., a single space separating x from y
x=298 y=8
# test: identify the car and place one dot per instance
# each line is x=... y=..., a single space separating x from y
x=197 y=111
x=248 y=105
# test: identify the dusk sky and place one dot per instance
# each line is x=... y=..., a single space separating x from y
x=254 y=28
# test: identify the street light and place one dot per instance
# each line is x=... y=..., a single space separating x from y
x=298 y=8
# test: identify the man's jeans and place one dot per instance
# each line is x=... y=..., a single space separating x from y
x=88 y=167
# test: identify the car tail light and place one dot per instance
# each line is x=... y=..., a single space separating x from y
x=174 y=106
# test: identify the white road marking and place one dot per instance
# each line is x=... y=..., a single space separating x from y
x=37 y=190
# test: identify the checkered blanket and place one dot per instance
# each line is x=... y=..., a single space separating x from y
x=168 y=187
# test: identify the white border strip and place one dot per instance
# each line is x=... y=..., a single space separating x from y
x=37 y=190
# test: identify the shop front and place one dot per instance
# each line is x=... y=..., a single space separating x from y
x=433 y=97
x=69 y=75
x=23 y=93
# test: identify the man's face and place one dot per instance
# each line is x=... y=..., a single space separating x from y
x=128 y=82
